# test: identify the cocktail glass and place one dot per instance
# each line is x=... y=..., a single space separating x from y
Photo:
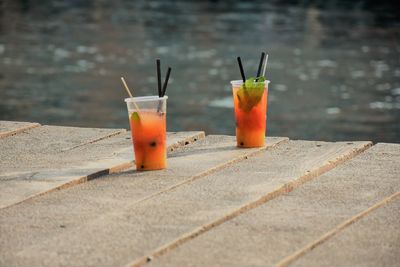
x=250 y=113
x=147 y=117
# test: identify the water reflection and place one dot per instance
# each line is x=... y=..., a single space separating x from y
x=334 y=65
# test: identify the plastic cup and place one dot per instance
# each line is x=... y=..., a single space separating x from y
x=147 y=118
x=250 y=116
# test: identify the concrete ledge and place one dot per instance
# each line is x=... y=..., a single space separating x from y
x=51 y=158
x=9 y=128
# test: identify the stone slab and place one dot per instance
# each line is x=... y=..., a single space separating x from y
x=138 y=230
x=372 y=241
x=79 y=205
x=8 y=128
x=269 y=234
x=43 y=147
x=51 y=157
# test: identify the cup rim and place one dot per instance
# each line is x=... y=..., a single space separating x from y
x=240 y=82
x=145 y=98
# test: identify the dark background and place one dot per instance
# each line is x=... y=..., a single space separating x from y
x=333 y=65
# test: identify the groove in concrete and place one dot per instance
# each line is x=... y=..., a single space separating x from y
x=117 y=132
x=301 y=252
x=9 y=128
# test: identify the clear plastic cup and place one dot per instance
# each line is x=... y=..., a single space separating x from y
x=147 y=118
x=250 y=115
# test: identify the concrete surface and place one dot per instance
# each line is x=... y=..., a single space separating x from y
x=134 y=229
x=81 y=204
x=268 y=234
x=305 y=203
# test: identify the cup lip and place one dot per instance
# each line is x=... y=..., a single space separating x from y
x=145 y=98
x=240 y=82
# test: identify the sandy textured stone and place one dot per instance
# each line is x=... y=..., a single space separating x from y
x=372 y=241
x=133 y=229
x=269 y=233
x=8 y=128
x=63 y=156
x=67 y=209
x=43 y=147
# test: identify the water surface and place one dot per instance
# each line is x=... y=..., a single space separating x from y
x=333 y=65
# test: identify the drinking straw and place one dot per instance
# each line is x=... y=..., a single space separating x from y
x=159 y=76
x=260 y=65
x=166 y=82
x=129 y=91
x=265 y=66
x=126 y=87
x=241 y=69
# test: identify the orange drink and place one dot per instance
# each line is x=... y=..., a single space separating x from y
x=147 y=118
x=250 y=105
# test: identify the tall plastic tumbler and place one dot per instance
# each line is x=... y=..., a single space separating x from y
x=250 y=105
x=147 y=118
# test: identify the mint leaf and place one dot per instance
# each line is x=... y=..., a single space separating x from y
x=250 y=93
x=135 y=117
x=249 y=82
x=261 y=79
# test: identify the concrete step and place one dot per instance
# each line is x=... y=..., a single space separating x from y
x=151 y=214
x=52 y=157
x=284 y=229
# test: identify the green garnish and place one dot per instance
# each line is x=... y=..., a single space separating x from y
x=135 y=117
x=250 y=93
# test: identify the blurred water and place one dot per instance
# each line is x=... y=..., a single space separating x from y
x=334 y=65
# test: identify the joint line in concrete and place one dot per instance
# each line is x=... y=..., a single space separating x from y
x=325 y=237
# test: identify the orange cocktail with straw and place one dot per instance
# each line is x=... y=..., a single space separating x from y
x=147 y=119
x=148 y=128
x=250 y=99
x=250 y=106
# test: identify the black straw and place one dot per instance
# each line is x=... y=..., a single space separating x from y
x=241 y=69
x=166 y=82
x=159 y=76
x=260 y=65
